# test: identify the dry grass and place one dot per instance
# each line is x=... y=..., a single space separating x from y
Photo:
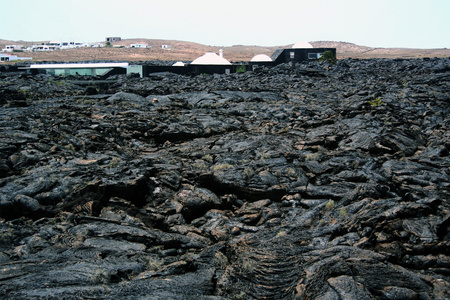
x=187 y=51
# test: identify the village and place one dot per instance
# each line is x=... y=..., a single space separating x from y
x=209 y=63
x=64 y=45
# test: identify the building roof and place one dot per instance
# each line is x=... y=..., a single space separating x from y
x=302 y=45
x=210 y=58
x=261 y=58
x=11 y=57
x=79 y=66
x=178 y=64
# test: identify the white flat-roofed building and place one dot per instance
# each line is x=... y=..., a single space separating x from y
x=11 y=48
x=9 y=57
x=91 y=69
x=139 y=46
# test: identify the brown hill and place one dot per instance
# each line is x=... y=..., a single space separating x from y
x=345 y=50
x=188 y=51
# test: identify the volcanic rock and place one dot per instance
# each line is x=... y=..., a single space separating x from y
x=300 y=181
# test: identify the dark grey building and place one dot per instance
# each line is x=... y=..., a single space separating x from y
x=299 y=54
x=113 y=39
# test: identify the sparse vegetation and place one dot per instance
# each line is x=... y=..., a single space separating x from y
x=343 y=212
x=247 y=266
x=281 y=233
x=220 y=260
x=155 y=264
x=114 y=163
x=376 y=102
x=200 y=164
x=208 y=158
x=241 y=69
x=291 y=172
x=248 y=172
x=313 y=156
x=241 y=296
x=221 y=167
x=70 y=147
x=100 y=275
x=328 y=57
x=188 y=51
x=330 y=205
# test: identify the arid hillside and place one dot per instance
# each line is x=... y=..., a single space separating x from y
x=188 y=51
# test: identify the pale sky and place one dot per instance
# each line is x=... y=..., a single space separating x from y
x=374 y=23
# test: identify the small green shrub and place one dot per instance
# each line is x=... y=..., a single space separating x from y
x=313 y=156
x=241 y=69
x=328 y=57
x=208 y=158
x=221 y=167
x=281 y=233
x=291 y=172
x=155 y=263
x=343 y=212
x=70 y=147
x=376 y=102
x=200 y=165
x=330 y=205
x=114 y=163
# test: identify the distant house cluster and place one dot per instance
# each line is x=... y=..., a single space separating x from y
x=49 y=46
x=165 y=47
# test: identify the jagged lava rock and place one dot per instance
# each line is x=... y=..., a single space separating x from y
x=305 y=181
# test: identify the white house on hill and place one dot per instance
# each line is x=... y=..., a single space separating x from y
x=9 y=57
x=139 y=46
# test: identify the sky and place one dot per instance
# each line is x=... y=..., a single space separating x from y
x=374 y=23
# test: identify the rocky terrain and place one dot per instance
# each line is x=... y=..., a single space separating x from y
x=309 y=181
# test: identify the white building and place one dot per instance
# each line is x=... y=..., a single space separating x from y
x=261 y=58
x=9 y=57
x=139 y=46
x=56 y=45
x=210 y=58
x=11 y=48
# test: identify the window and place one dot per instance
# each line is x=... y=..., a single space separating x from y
x=292 y=55
x=312 y=55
